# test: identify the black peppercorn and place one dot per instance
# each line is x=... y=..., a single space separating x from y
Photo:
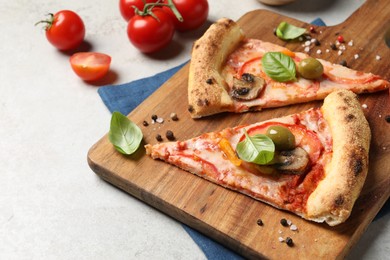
x=174 y=117
x=343 y=63
x=317 y=42
x=145 y=123
x=209 y=81
x=159 y=138
x=169 y=135
x=289 y=241
x=154 y=117
x=284 y=222
x=260 y=222
x=333 y=46
x=387 y=118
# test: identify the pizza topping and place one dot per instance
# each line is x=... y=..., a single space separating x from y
x=292 y=161
x=229 y=152
x=279 y=66
x=248 y=87
x=282 y=137
x=258 y=149
x=310 y=68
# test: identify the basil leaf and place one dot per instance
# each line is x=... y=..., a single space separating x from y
x=279 y=66
x=286 y=31
x=124 y=134
x=258 y=149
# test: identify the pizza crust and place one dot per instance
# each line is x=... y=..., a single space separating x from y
x=208 y=55
x=333 y=199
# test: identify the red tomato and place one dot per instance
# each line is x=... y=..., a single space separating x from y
x=127 y=10
x=148 y=34
x=90 y=65
x=194 y=13
x=65 y=30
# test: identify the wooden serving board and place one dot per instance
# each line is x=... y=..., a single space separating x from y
x=227 y=216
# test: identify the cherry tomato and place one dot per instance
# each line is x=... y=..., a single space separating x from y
x=194 y=13
x=127 y=10
x=65 y=30
x=90 y=65
x=148 y=34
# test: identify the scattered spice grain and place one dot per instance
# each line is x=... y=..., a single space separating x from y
x=159 y=138
x=173 y=116
x=343 y=63
x=170 y=136
x=289 y=241
x=284 y=222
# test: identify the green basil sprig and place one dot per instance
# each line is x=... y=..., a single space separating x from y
x=279 y=66
x=124 y=134
x=258 y=149
x=286 y=31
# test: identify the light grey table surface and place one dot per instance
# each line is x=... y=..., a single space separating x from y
x=52 y=206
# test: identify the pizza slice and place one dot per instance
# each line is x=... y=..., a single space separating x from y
x=231 y=73
x=316 y=170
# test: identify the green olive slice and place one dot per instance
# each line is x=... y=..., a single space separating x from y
x=282 y=137
x=310 y=68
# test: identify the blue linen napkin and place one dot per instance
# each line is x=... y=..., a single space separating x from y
x=125 y=97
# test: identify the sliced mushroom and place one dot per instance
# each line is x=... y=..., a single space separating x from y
x=292 y=161
x=248 y=87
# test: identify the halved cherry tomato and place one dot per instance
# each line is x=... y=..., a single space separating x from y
x=194 y=13
x=150 y=34
x=65 y=30
x=127 y=10
x=90 y=65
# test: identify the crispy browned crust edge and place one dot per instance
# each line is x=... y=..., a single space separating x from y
x=208 y=55
x=332 y=201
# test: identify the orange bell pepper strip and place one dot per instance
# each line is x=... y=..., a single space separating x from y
x=227 y=149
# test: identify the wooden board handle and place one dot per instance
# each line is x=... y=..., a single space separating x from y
x=370 y=11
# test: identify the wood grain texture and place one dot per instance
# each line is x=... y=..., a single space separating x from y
x=230 y=217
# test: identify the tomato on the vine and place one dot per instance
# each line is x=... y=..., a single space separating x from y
x=194 y=13
x=150 y=34
x=90 y=65
x=65 y=30
x=127 y=10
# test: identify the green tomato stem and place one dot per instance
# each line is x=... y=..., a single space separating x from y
x=148 y=10
x=48 y=22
